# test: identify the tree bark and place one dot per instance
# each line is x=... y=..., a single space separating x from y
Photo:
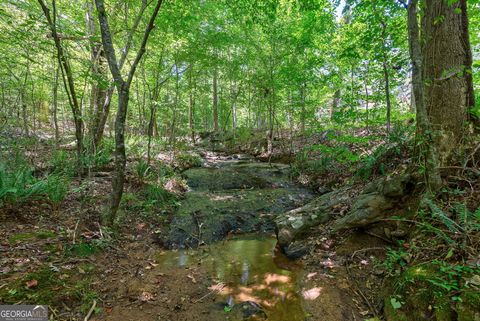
x=191 y=106
x=215 y=100
x=386 y=76
x=335 y=103
x=447 y=61
x=123 y=88
x=426 y=150
x=104 y=98
x=55 y=106
x=303 y=115
x=68 y=81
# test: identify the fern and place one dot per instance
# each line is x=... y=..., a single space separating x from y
x=438 y=213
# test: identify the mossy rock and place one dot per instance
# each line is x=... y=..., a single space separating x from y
x=468 y=309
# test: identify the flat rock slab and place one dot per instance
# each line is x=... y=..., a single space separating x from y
x=234 y=197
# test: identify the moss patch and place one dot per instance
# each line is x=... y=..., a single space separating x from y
x=44 y=286
x=22 y=237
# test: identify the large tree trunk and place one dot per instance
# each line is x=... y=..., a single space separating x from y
x=426 y=150
x=447 y=62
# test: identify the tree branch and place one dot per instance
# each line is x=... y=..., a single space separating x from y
x=108 y=43
x=141 y=51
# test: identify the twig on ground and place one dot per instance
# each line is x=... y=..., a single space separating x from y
x=379 y=237
x=100 y=230
x=359 y=291
x=90 y=312
x=75 y=231
x=365 y=250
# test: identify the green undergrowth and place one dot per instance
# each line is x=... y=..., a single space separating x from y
x=435 y=290
x=434 y=274
x=152 y=201
x=51 y=286
x=347 y=155
x=18 y=185
x=25 y=237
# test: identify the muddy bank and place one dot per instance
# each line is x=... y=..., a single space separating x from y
x=243 y=278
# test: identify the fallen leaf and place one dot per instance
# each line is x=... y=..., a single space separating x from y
x=91 y=235
x=146 y=296
x=191 y=277
x=32 y=284
x=311 y=294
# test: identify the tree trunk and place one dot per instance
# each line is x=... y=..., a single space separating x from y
x=191 y=108
x=120 y=155
x=123 y=87
x=68 y=81
x=335 y=103
x=447 y=61
x=367 y=96
x=386 y=76
x=303 y=115
x=55 y=106
x=215 y=100
x=425 y=148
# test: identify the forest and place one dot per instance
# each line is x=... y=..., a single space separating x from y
x=281 y=160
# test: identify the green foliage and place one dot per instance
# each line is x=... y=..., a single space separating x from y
x=101 y=157
x=142 y=169
x=22 y=237
x=19 y=185
x=185 y=161
x=444 y=279
x=396 y=261
x=395 y=302
x=156 y=196
x=52 y=289
x=87 y=248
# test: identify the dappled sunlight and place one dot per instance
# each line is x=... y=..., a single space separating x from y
x=221 y=198
x=247 y=270
x=312 y=293
x=276 y=278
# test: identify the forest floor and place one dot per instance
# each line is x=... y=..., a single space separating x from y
x=206 y=249
x=63 y=257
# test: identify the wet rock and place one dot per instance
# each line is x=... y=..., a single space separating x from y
x=378 y=200
x=237 y=176
x=469 y=306
x=296 y=250
x=234 y=197
x=248 y=311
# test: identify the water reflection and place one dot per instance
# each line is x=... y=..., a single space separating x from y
x=249 y=270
